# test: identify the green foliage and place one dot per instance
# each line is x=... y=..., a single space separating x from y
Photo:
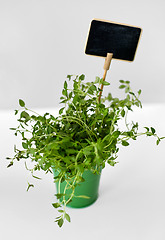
x=21 y=103
x=84 y=136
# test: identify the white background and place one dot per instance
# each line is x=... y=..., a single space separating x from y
x=41 y=41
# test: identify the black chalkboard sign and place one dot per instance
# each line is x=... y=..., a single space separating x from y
x=109 y=37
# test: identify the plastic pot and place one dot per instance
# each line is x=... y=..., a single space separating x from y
x=87 y=188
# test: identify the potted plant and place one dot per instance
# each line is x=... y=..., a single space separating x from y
x=77 y=143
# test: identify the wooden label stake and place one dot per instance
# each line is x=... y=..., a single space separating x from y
x=106 y=68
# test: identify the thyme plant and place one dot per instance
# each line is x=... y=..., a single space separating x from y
x=84 y=136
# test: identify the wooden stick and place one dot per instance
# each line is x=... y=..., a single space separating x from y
x=106 y=68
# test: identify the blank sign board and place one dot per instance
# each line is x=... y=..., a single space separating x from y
x=109 y=37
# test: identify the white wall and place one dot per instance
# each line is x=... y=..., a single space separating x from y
x=41 y=41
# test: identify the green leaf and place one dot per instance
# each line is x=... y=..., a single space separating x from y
x=97 y=80
x=158 y=141
x=32 y=151
x=87 y=150
x=90 y=90
x=123 y=113
x=71 y=151
x=59 y=195
x=139 y=92
x=111 y=161
x=16 y=111
x=21 y=103
x=124 y=143
x=105 y=83
x=149 y=134
x=127 y=82
x=29 y=185
x=137 y=104
x=82 y=77
x=37 y=177
x=116 y=134
x=162 y=138
x=61 y=110
x=64 y=92
x=24 y=145
x=127 y=89
x=121 y=81
x=69 y=77
x=122 y=86
x=93 y=88
x=109 y=96
x=67 y=217
x=66 y=139
x=65 y=85
x=61 y=211
x=60 y=222
x=80 y=168
x=10 y=164
x=25 y=115
x=115 y=100
x=80 y=179
x=153 y=130
x=70 y=95
x=147 y=128
x=75 y=85
x=56 y=205
x=75 y=99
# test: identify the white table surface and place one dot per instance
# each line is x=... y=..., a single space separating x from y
x=131 y=203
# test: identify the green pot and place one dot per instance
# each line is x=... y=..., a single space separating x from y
x=87 y=188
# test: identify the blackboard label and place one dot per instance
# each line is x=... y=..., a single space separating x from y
x=109 y=37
